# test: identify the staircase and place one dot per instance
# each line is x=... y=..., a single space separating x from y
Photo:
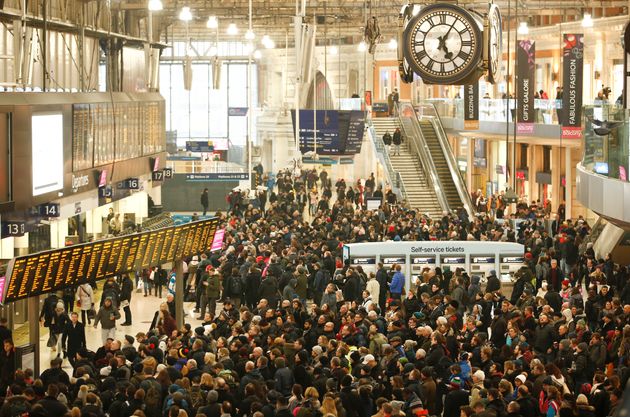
x=419 y=193
x=439 y=160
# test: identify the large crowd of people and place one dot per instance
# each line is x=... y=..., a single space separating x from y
x=290 y=330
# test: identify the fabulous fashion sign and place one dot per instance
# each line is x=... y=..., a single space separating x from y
x=572 y=71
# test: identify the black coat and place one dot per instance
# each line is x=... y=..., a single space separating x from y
x=126 y=290
x=350 y=401
x=454 y=401
x=53 y=407
x=73 y=339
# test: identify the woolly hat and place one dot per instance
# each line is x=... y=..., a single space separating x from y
x=521 y=378
x=129 y=339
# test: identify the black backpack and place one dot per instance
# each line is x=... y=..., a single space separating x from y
x=237 y=286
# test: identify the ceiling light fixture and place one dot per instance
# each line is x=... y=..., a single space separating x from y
x=257 y=54
x=393 y=44
x=212 y=23
x=362 y=46
x=523 y=29
x=232 y=29
x=185 y=14
x=155 y=5
x=587 y=21
x=334 y=50
x=249 y=35
x=267 y=42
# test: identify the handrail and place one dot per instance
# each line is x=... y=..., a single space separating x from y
x=458 y=179
x=394 y=177
x=416 y=139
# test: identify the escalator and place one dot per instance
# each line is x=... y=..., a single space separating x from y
x=427 y=139
x=418 y=192
x=443 y=170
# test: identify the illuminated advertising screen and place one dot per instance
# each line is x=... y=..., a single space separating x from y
x=47 y=152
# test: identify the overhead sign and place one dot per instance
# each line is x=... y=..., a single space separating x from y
x=422 y=261
x=199 y=146
x=237 y=111
x=49 y=210
x=218 y=176
x=54 y=270
x=525 y=73
x=13 y=228
x=572 y=73
x=157 y=175
x=337 y=133
x=129 y=184
x=471 y=106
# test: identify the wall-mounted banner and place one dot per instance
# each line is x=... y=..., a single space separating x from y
x=471 y=106
x=572 y=73
x=525 y=73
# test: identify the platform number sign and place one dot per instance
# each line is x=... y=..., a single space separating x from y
x=49 y=210
x=13 y=229
x=168 y=173
x=129 y=184
x=157 y=175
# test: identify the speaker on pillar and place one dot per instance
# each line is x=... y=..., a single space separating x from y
x=216 y=73
x=188 y=73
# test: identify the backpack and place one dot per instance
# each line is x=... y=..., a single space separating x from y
x=528 y=286
x=237 y=286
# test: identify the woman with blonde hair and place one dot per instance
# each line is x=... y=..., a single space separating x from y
x=329 y=408
x=311 y=396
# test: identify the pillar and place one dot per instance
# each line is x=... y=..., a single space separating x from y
x=179 y=293
x=556 y=171
x=568 y=172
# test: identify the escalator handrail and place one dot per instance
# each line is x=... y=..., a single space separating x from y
x=394 y=177
x=458 y=180
x=421 y=149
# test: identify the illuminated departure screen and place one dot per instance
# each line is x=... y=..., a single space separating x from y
x=54 y=270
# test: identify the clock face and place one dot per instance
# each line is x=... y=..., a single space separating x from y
x=443 y=44
x=495 y=41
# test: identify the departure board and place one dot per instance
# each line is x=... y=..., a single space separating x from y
x=54 y=270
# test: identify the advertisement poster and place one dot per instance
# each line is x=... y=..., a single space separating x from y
x=525 y=87
x=572 y=73
x=471 y=106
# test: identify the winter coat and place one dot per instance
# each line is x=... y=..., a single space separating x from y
x=85 y=294
x=107 y=316
x=374 y=289
x=329 y=299
x=213 y=289
x=398 y=283
x=284 y=381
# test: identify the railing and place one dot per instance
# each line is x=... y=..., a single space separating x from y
x=607 y=153
x=419 y=147
x=428 y=111
x=493 y=110
x=394 y=178
x=197 y=167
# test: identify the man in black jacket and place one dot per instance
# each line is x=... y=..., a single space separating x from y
x=125 y=298
x=73 y=339
x=381 y=277
x=349 y=398
x=53 y=407
x=493 y=284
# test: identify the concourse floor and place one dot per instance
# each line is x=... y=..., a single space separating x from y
x=143 y=310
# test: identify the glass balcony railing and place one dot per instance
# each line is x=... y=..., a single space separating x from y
x=606 y=145
x=493 y=110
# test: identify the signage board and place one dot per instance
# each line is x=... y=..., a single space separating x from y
x=471 y=106
x=453 y=260
x=49 y=210
x=157 y=175
x=217 y=176
x=423 y=260
x=199 y=146
x=572 y=74
x=168 y=173
x=392 y=261
x=217 y=242
x=129 y=184
x=512 y=259
x=13 y=228
x=54 y=270
x=363 y=261
x=482 y=260
x=237 y=111
x=525 y=87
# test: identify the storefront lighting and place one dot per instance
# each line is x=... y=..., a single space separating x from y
x=185 y=15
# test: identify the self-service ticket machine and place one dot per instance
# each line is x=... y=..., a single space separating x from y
x=418 y=264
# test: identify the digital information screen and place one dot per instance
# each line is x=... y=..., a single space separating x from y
x=54 y=270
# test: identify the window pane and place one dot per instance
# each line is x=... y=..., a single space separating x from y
x=199 y=102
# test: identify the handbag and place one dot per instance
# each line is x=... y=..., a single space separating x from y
x=79 y=303
x=339 y=296
x=52 y=340
x=91 y=313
